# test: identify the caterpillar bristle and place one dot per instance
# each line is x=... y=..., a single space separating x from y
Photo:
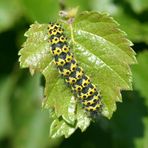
x=72 y=73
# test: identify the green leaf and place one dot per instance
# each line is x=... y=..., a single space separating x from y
x=35 y=51
x=59 y=97
x=100 y=48
x=10 y=12
x=105 y=54
x=35 y=55
x=61 y=128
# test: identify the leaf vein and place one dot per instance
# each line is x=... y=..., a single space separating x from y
x=80 y=31
x=99 y=59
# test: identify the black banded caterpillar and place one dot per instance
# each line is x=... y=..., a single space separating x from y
x=73 y=74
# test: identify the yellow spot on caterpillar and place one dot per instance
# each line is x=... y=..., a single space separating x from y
x=62 y=39
x=91 y=91
x=71 y=80
x=68 y=58
x=83 y=96
x=55 y=40
x=52 y=26
x=57 y=51
x=92 y=101
x=65 y=72
x=73 y=66
x=60 y=62
x=86 y=81
x=55 y=31
x=65 y=49
x=79 y=73
x=77 y=88
x=69 y=69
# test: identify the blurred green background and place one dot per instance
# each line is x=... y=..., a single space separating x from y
x=24 y=125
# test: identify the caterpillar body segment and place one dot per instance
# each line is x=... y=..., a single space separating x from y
x=69 y=69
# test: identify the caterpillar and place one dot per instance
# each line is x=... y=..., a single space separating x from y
x=72 y=73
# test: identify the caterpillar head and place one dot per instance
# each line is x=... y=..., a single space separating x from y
x=52 y=26
x=55 y=31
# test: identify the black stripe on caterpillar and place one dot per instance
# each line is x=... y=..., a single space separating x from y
x=73 y=74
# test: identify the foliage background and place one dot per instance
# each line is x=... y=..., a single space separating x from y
x=23 y=125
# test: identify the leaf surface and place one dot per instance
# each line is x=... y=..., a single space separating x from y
x=105 y=54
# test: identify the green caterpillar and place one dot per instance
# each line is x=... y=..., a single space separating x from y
x=73 y=74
